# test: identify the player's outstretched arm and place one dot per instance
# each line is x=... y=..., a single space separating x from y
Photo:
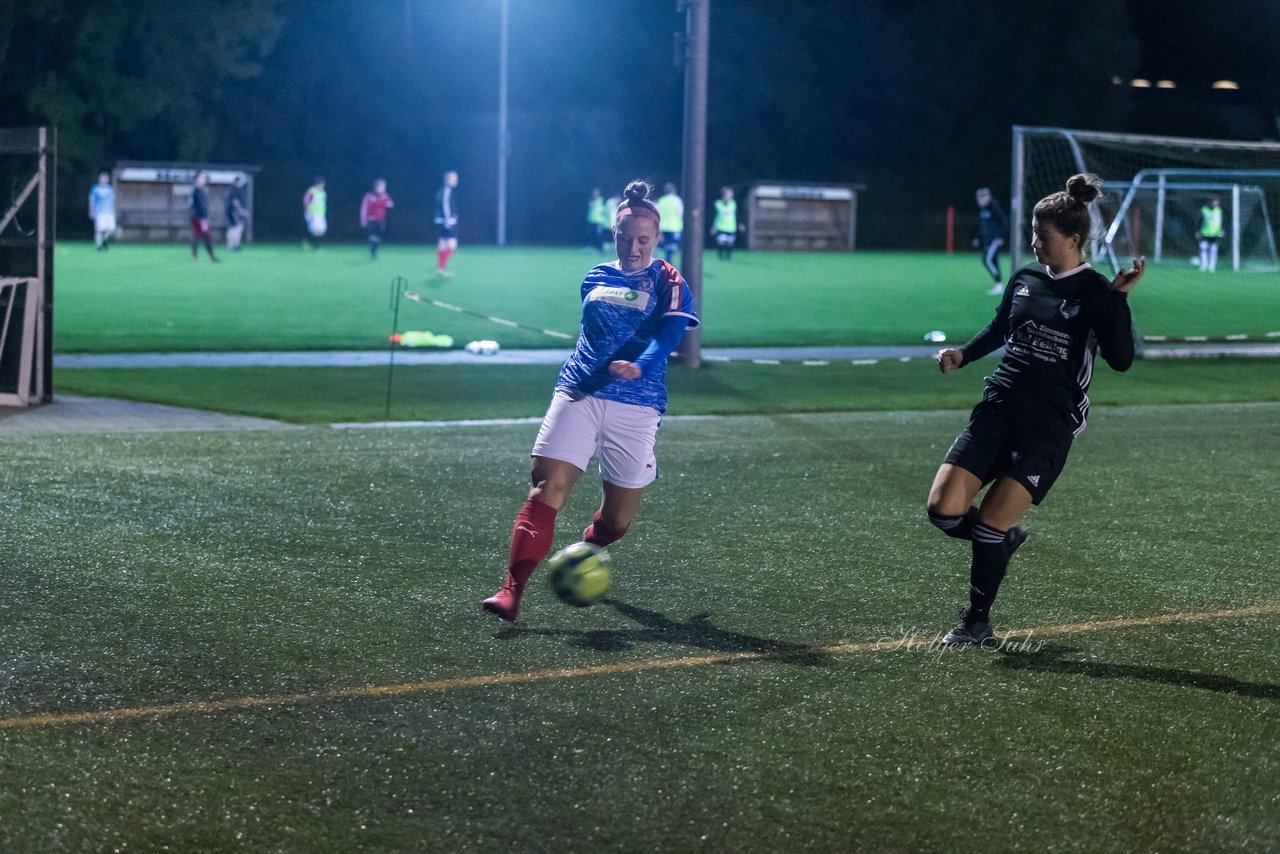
x=949 y=359
x=1126 y=279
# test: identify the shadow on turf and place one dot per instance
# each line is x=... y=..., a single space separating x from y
x=697 y=631
x=1053 y=659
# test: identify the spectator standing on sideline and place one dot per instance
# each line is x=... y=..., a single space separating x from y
x=373 y=215
x=671 y=209
x=237 y=213
x=315 y=205
x=102 y=210
x=199 y=210
x=446 y=220
x=598 y=220
x=992 y=225
x=725 y=225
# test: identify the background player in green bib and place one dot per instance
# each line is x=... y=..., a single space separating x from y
x=671 y=209
x=315 y=210
x=725 y=225
x=598 y=220
x=1210 y=235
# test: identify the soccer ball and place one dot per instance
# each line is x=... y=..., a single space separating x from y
x=580 y=573
x=482 y=348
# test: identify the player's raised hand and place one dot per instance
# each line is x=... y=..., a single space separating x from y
x=624 y=370
x=949 y=359
x=1126 y=279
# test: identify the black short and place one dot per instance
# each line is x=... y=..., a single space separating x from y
x=446 y=232
x=375 y=228
x=1022 y=438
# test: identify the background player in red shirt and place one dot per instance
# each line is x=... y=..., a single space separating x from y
x=198 y=207
x=373 y=214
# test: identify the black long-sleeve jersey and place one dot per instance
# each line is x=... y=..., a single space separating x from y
x=446 y=208
x=1051 y=328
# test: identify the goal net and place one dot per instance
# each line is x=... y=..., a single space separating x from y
x=1156 y=191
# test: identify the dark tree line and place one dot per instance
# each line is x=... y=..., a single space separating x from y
x=914 y=98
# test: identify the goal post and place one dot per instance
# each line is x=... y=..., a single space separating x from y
x=1155 y=188
x=28 y=169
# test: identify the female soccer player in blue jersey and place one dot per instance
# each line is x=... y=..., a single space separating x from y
x=1052 y=318
x=609 y=397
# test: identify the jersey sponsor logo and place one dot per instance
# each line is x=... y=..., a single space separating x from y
x=1069 y=308
x=1032 y=340
x=628 y=297
x=1023 y=292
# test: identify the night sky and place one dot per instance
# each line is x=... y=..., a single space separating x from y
x=913 y=98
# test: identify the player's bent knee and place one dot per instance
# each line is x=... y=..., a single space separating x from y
x=942 y=504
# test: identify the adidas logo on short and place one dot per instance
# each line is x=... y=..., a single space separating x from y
x=1023 y=292
x=1033 y=479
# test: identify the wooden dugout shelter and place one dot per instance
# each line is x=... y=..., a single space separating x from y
x=152 y=198
x=802 y=217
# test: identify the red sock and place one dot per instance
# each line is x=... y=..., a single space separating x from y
x=600 y=534
x=442 y=258
x=530 y=539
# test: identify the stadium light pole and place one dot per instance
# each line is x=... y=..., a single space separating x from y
x=697 y=28
x=503 y=153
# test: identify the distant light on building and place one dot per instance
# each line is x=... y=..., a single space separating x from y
x=1116 y=81
x=1140 y=83
x=1225 y=84
x=1166 y=84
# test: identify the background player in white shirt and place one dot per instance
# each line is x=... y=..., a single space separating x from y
x=102 y=210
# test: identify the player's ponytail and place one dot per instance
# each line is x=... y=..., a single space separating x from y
x=635 y=202
x=637 y=191
x=1068 y=210
x=1084 y=188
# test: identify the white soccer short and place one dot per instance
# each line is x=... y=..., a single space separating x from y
x=104 y=222
x=621 y=433
x=317 y=224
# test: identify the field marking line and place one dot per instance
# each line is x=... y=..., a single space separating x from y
x=231 y=704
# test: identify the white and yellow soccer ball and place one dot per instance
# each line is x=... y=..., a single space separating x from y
x=580 y=573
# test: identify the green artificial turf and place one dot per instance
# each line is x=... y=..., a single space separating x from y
x=142 y=570
x=326 y=395
x=279 y=297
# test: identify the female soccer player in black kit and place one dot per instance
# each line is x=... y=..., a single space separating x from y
x=1052 y=319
